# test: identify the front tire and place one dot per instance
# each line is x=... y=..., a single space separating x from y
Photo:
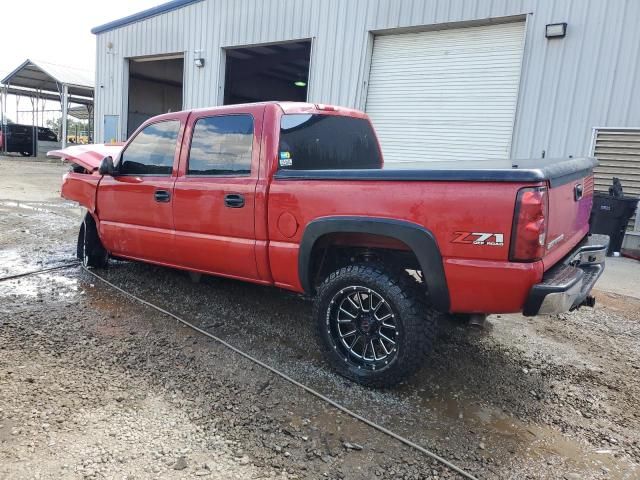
x=90 y=250
x=375 y=328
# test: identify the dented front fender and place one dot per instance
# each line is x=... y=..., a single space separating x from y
x=81 y=184
x=81 y=188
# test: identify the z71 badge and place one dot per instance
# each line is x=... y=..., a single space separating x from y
x=479 y=238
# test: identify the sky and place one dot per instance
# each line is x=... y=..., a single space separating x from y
x=56 y=31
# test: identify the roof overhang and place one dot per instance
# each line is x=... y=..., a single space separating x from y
x=136 y=17
x=82 y=112
x=20 y=92
x=49 y=78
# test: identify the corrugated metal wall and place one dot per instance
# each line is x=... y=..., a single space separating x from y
x=568 y=86
x=618 y=151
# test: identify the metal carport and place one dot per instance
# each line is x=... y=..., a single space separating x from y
x=49 y=81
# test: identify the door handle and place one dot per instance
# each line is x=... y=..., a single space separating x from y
x=234 y=200
x=162 y=196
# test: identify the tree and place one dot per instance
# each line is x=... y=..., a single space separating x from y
x=56 y=124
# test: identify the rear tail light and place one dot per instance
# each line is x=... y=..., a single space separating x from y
x=529 y=231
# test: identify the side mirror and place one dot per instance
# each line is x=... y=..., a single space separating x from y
x=106 y=166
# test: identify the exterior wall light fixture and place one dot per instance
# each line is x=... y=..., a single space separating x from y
x=556 y=30
x=198 y=60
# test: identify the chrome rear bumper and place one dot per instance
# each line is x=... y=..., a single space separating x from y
x=566 y=286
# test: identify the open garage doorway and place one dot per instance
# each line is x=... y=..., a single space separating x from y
x=267 y=72
x=155 y=87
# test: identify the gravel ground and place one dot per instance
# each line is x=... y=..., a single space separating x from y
x=94 y=385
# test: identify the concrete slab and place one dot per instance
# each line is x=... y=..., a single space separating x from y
x=622 y=276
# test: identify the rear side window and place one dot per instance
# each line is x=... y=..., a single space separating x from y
x=327 y=142
x=221 y=145
x=152 y=151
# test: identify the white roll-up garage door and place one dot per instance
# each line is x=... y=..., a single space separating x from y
x=446 y=94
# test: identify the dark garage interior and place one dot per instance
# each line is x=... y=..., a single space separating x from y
x=267 y=72
x=155 y=87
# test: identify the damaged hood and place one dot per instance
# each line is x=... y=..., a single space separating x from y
x=87 y=156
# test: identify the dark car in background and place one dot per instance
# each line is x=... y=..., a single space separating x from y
x=46 y=135
x=17 y=138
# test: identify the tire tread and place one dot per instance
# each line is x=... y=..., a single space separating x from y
x=418 y=317
x=89 y=245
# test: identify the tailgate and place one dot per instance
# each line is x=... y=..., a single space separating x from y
x=570 y=201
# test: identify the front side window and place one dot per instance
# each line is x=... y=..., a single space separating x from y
x=327 y=142
x=221 y=145
x=152 y=151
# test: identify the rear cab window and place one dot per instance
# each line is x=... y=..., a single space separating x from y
x=221 y=145
x=327 y=142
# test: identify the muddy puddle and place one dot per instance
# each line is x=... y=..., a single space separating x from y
x=531 y=441
x=59 y=283
x=14 y=262
x=38 y=207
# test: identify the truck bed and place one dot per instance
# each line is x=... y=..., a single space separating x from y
x=555 y=171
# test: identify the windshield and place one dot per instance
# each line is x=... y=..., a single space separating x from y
x=327 y=142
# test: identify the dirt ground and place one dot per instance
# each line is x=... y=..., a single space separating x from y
x=94 y=385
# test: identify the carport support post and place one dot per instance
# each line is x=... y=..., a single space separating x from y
x=34 y=129
x=90 y=133
x=65 y=112
x=3 y=110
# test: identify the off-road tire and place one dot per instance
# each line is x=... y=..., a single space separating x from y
x=414 y=316
x=90 y=250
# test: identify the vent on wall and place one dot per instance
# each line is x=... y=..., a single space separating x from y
x=618 y=154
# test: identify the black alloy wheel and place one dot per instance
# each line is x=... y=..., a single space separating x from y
x=374 y=326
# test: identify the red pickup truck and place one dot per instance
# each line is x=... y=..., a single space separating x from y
x=296 y=195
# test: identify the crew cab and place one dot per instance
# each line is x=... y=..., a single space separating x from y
x=297 y=196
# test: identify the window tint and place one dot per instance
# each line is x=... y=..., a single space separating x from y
x=327 y=142
x=151 y=152
x=221 y=145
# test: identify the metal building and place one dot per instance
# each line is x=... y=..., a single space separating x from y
x=441 y=79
